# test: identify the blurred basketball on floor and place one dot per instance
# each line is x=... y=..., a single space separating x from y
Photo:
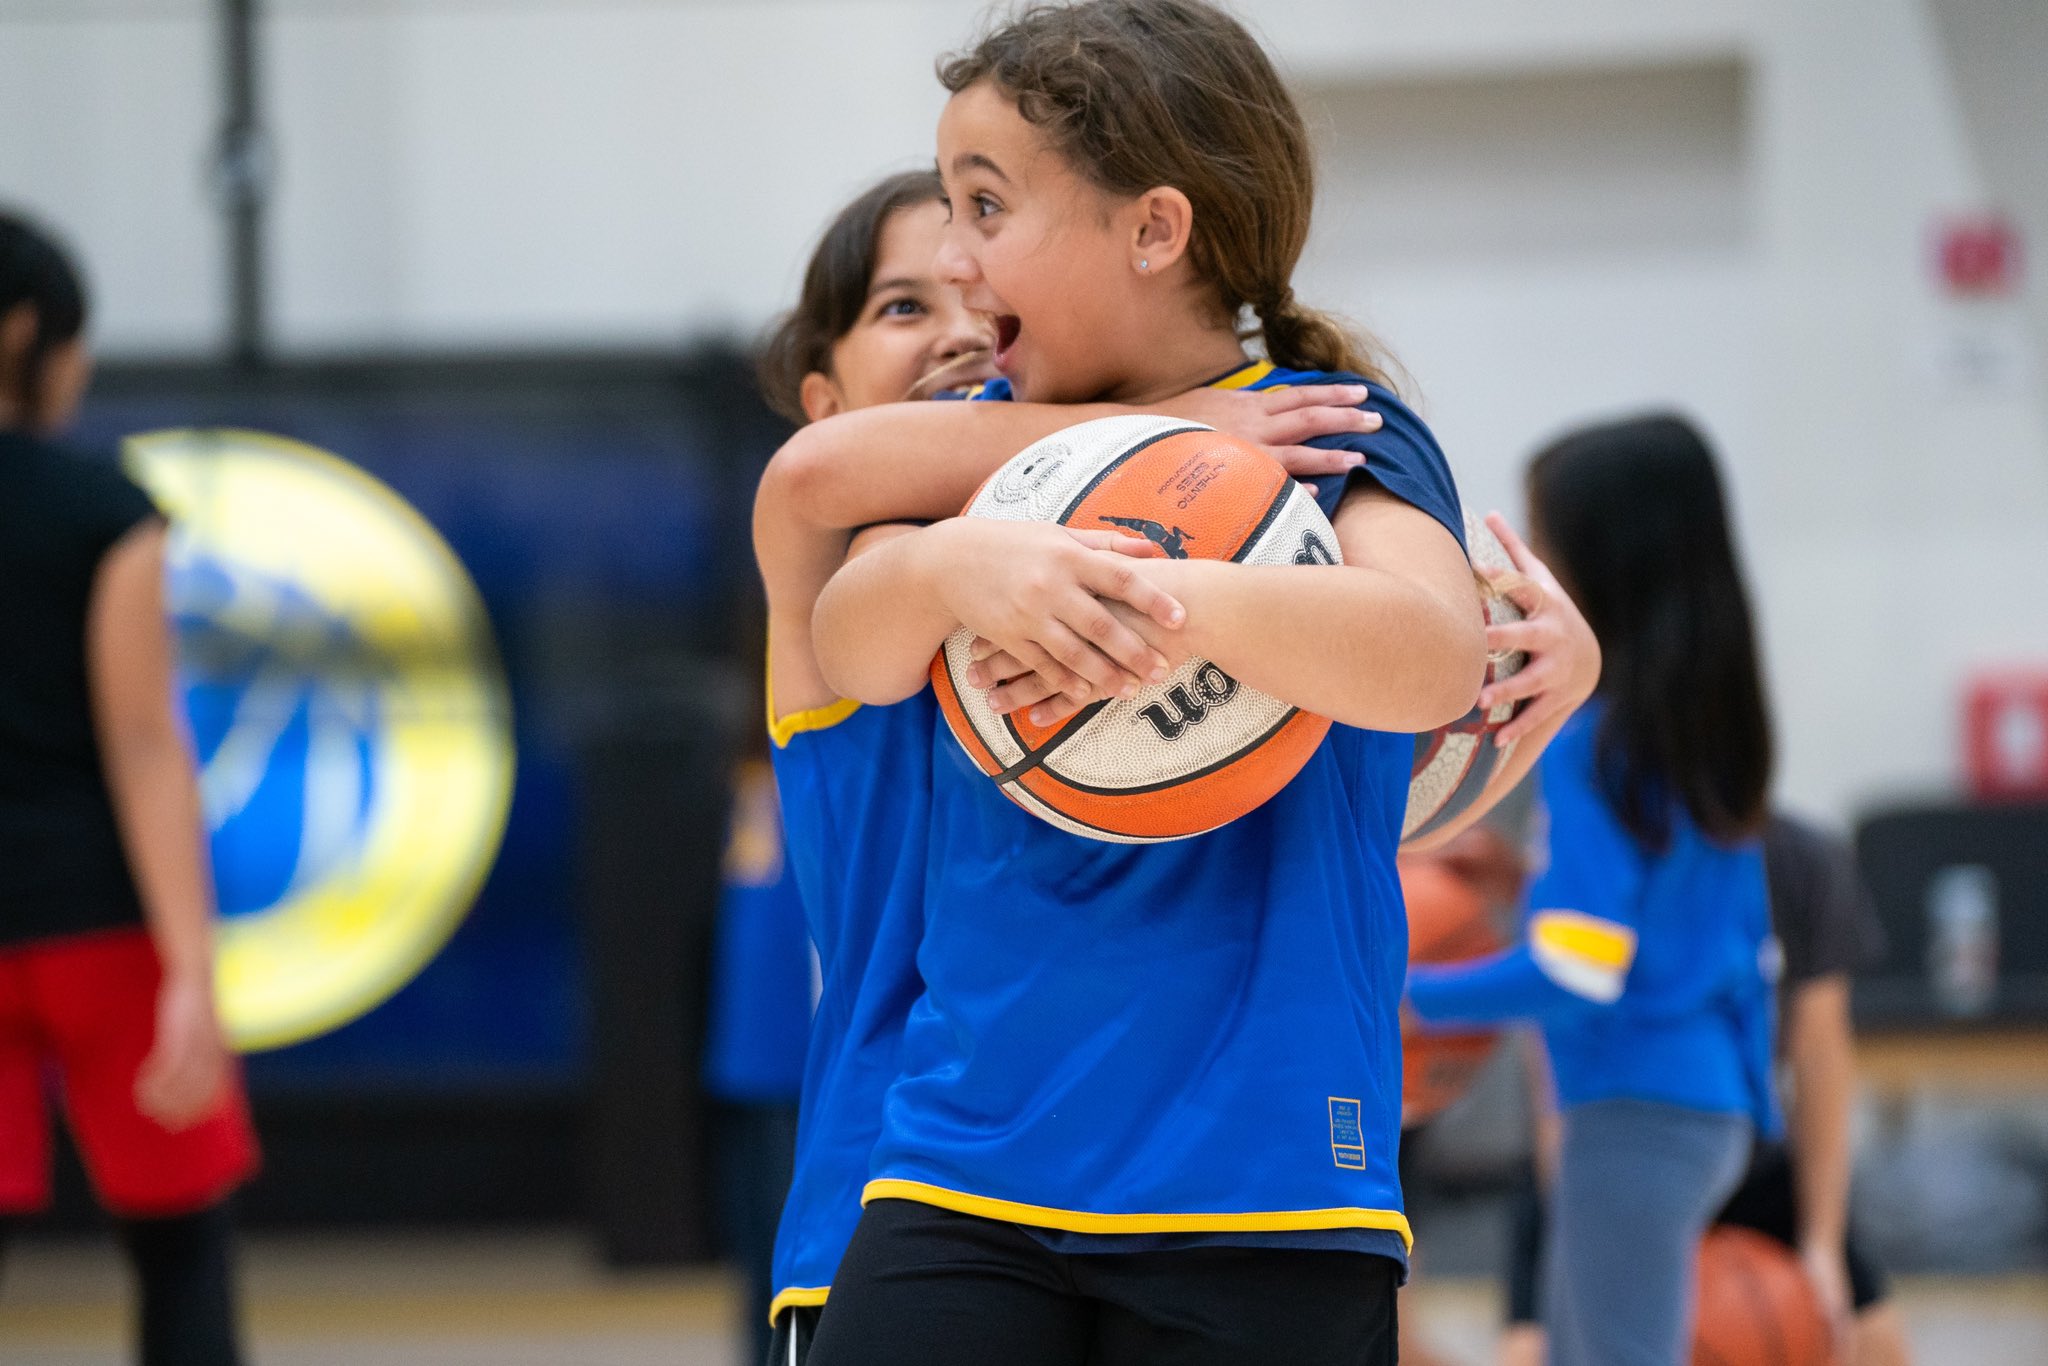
x=1756 y=1307
x=1449 y=921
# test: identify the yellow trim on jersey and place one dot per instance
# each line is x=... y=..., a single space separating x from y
x=1599 y=943
x=786 y=728
x=797 y=1297
x=1245 y=378
x=1584 y=954
x=1083 y=1221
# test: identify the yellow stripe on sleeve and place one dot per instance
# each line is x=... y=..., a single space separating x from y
x=783 y=729
x=1582 y=953
x=796 y=1297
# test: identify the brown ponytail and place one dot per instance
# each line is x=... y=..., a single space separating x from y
x=1141 y=93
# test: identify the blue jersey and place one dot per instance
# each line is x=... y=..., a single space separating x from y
x=1191 y=1038
x=760 y=1014
x=855 y=785
x=1651 y=973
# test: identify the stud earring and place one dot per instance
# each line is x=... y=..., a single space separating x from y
x=1144 y=265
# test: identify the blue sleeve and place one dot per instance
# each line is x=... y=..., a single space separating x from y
x=1579 y=940
x=1507 y=986
x=1402 y=457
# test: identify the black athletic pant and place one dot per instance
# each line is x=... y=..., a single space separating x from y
x=922 y=1286
x=184 y=1272
x=184 y=1268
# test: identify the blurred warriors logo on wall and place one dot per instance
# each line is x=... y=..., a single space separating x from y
x=351 y=720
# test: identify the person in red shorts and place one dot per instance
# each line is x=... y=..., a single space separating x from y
x=106 y=897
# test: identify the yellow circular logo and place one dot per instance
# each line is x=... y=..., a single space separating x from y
x=351 y=720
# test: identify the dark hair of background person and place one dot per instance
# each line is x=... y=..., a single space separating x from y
x=35 y=271
x=835 y=289
x=1633 y=518
x=1137 y=94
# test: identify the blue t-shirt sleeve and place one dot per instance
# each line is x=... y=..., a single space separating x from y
x=1585 y=908
x=1402 y=457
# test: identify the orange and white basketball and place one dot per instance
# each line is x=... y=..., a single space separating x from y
x=1200 y=749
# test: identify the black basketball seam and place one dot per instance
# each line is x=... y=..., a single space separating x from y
x=1033 y=758
x=1204 y=772
x=961 y=693
x=1121 y=835
x=1117 y=464
x=1272 y=514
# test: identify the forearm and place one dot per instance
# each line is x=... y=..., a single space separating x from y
x=1361 y=646
x=907 y=461
x=880 y=620
x=156 y=806
x=1821 y=1051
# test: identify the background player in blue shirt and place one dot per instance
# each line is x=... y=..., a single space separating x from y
x=1648 y=956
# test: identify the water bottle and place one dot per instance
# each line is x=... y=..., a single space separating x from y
x=1962 y=939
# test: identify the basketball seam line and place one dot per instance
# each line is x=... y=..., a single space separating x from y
x=1035 y=757
x=1273 y=510
x=1113 y=466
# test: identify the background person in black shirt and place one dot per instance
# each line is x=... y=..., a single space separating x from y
x=106 y=897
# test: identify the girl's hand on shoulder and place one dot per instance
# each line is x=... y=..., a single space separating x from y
x=1282 y=419
x=1563 y=667
x=1043 y=594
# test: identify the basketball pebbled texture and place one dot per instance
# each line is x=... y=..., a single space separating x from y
x=1200 y=749
x=1453 y=763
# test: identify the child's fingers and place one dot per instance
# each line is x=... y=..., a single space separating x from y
x=983 y=648
x=1101 y=674
x=1021 y=692
x=1091 y=619
x=1526 y=593
x=1120 y=581
x=1519 y=553
x=1034 y=659
x=1530 y=636
x=1000 y=667
x=1310 y=462
x=1516 y=687
x=1314 y=396
x=1119 y=542
x=1054 y=711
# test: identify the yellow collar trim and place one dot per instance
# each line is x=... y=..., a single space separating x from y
x=1245 y=378
x=1083 y=1221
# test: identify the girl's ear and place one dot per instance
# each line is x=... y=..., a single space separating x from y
x=820 y=396
x=1165 y=221
x=17 y=337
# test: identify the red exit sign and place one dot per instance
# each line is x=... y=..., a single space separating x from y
x=1979 y=255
